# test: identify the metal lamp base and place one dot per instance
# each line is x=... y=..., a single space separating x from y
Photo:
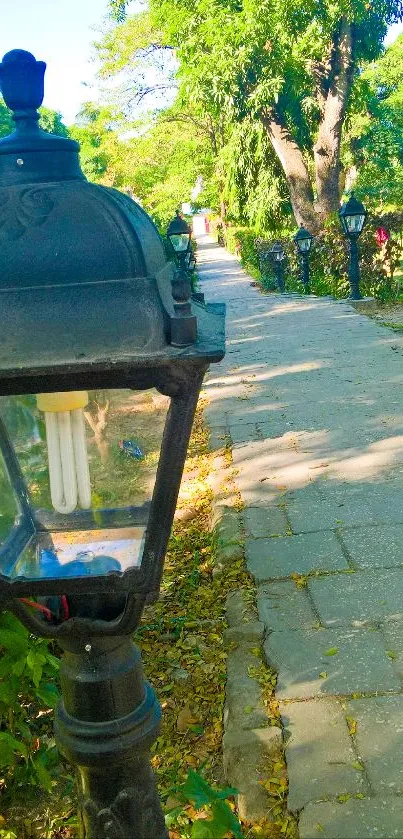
x=105 y=724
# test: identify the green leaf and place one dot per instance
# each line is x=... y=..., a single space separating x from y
x=49 y=695
x=357 y=765
x=332 y=651
x=14 y=642
x=44 y=777
x=200 y=793
x=205 y=829
x=19 y=667
x=35 y=662
x=8 y=746
x=197 y=790
x=223 y=817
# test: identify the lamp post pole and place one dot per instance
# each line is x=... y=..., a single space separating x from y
x=354 y=269
x=305 y=272
x=279 y=270
x=105 y=724
x=352 y=218
x=277 y=255
x=303 y=240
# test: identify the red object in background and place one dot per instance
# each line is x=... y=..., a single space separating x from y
x=207 y=226
x=382 y=236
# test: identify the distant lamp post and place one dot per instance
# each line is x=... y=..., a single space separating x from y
x=303 y=240
x=352 y=217
x=277 y=254
x=179 y=234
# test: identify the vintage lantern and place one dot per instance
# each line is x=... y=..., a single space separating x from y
x=303 y=240
x=95 y=330
x=277 y=255
x=352 y=218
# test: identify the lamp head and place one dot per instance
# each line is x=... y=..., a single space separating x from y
x=303 y=240
x=352 y=217
x=277 y=252
x=179 y=234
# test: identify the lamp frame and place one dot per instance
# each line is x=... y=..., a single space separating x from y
x=278 y=263
x=351 y=208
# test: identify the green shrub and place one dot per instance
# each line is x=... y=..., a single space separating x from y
x=28 y=675
x=241 y=241
x=330 y=258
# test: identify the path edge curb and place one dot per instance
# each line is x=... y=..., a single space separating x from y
x=249 y=740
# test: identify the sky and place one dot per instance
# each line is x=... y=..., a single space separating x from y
x=61 y=32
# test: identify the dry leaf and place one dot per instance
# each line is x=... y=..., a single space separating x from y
x=184 y=719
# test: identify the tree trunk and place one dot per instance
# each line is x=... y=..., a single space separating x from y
x=327 y=147
x=295 y=170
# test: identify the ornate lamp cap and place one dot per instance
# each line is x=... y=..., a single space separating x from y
x=22 y=86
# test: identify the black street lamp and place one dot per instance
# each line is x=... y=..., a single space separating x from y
x=352 y=217
x=277 y=254
x=89 y=302
x=179 y=234
x=303 y=240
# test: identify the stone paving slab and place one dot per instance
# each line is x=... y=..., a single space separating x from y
x=358 y=598
x=379 y=739
x=345 y=508
x=282 y=606
x=319 y=753
x=392 y=632
x=243 y=433
x=329 y=662
x=270 y=558
x=374 y=547
x=260 y=521
x=375 y=818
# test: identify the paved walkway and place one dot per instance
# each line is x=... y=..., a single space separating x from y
x=311 y=394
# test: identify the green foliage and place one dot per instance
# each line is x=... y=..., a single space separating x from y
x=254 y=185
x=330 y=257
x=6 y=122
x=374 y=133
x=28 y=674
x=49 y=121
x=218 y=818
x=241 y=241
x=237 y=64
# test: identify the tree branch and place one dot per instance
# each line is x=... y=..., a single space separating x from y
x=327 y=147
x=295 y=170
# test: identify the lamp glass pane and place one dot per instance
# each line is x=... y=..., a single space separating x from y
x=95 y=527
x=180 y=241
x=9 y=507
x=355 y=223
x=304 y=244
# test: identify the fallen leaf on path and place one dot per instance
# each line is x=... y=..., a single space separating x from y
x=184 y=719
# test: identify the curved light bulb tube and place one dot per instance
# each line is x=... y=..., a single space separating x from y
x=68 y=460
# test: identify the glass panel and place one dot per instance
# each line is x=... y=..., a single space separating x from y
x=180 y=241
x=9 y=506
x=355 y=223
x=90 y=472
x=304 y=245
